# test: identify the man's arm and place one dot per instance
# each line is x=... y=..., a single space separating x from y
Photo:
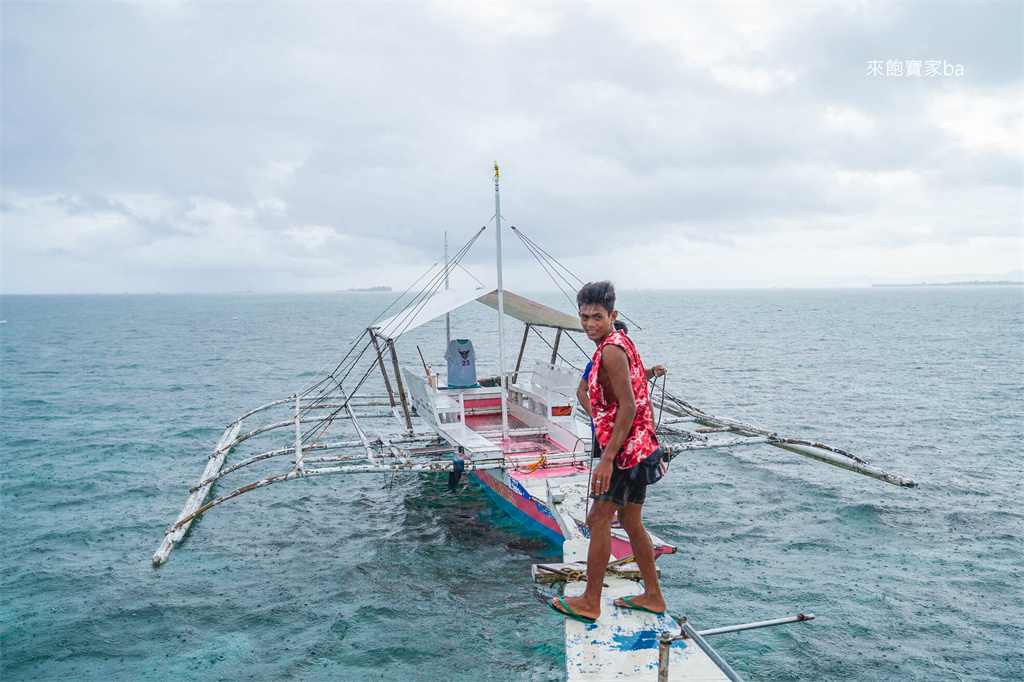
x=583 y=395
x=615 y=363
x=656 y=371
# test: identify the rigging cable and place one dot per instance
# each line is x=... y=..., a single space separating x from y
x=412 y=307
x=544 y=265
x=552 y=347
x=541 y=255
x=433 y=285
x=461 y=253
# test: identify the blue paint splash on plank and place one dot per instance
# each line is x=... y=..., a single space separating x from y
x=638 y=640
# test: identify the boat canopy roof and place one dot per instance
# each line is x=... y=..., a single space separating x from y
x=442 y=302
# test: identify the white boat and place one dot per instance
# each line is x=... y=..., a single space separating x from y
x=522 y=437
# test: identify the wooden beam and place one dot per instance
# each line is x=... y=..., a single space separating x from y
x=401 y=389
x=380 y=359
x=554 y=350
x=522 y=349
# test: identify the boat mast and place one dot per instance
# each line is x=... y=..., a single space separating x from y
x=501 y=312
x=447 y=316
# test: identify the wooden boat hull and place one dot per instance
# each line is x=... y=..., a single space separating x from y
x=526 y=510
x=512 y=498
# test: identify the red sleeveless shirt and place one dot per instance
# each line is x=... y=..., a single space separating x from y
x=641 y=441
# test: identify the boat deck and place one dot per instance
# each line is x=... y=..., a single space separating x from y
x=529 y=448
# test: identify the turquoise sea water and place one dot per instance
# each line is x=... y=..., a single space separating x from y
x=110 y=404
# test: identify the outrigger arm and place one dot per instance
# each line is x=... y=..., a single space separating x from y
x=446 y=466
x=749 y=435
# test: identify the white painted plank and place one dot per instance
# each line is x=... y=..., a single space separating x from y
x=623 y=643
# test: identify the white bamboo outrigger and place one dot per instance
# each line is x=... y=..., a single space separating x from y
x=521 y=436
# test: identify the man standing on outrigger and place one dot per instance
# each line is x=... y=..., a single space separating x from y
x=624 y=427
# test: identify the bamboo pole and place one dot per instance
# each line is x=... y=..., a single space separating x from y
x=268 y=455
x=298 y=431
x=554 y=350
x=380 y=360
x=370 y=455
x=522 y=349
x=401 y=389
x=819 y=451
x=438 y=467
x=213 y=464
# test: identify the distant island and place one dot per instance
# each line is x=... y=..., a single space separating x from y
x=975 y=283
x=376 y=289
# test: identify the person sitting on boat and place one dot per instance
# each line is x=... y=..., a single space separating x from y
x=461 y=364
x=624 y=426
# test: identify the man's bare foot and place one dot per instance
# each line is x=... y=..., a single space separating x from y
x=577 y=608
x=642 y=602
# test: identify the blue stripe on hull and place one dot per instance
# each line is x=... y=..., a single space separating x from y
x=517 y=514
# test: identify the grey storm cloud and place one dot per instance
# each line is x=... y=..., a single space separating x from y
x=295 y=138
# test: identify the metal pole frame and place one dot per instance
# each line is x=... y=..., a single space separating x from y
x=799 y=618
x=447 y=316
x=665 y=640
x=502 y=379
x=707 y=648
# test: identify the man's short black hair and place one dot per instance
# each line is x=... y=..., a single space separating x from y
x=597 y=293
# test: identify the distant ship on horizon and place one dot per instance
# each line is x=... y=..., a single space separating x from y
x=975 y=283
x=374 y=289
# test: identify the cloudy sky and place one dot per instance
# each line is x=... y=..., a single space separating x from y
x=232 y=146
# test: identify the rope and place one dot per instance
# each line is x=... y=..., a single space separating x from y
x=575 y=575
x=694 y=372
x=535 y=251
x=433 y=285
x=553 y=260
x=414 y=307
x=417 y=303
x=661 y=411
x=542 y=462
x=471 y=275
x=544 y=258
x=552 y=347
x=453 y=262
x=298 y=460
x=585 y=353
x=408 y=314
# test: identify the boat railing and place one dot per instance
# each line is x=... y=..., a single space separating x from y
x=688 y=632
x=431 y=404
x=548 y=390
x=447 y=405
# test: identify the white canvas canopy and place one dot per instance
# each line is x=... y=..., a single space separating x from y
x=519 y=307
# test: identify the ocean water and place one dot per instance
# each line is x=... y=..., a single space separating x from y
x=111 y=403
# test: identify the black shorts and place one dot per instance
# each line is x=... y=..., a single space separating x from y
x=623 y=488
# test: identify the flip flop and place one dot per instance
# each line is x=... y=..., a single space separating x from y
x=569 y=613
x=635 y=607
